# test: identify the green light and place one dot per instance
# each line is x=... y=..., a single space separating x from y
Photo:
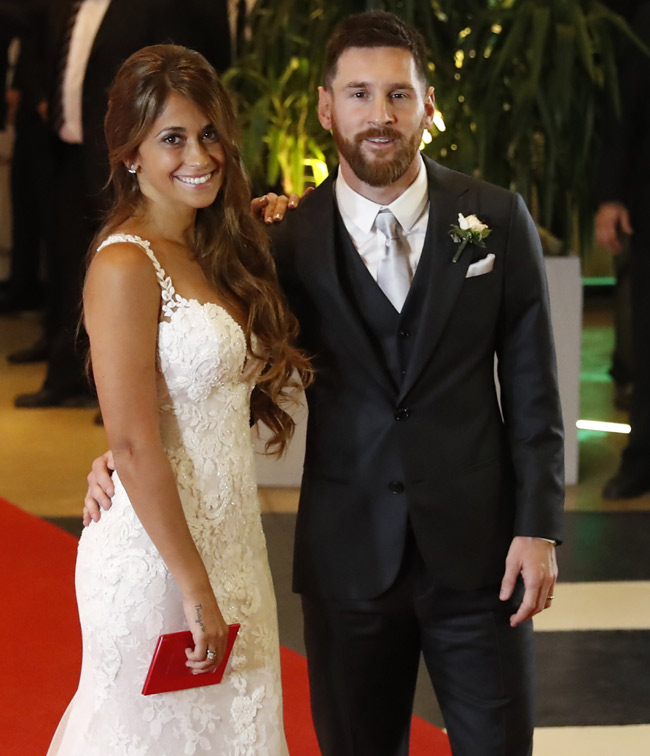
x=598 y=281
x=590 y=376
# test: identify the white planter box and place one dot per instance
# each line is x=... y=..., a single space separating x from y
x=565 y=290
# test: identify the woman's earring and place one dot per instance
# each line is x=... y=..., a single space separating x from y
x=133 y=169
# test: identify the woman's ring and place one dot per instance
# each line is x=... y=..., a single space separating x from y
x=210 y=654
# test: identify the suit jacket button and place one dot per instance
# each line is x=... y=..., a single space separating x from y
x=403 y=413
x=396 y=486
x=404 y=334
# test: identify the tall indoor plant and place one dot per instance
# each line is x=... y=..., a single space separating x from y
x=536 y=85
x=525 y=88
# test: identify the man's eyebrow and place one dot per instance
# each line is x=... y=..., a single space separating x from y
x=392 y=86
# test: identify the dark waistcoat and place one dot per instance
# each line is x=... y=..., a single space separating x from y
x=391 y=333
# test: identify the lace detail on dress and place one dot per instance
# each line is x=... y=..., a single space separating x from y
x=170 y=299
x=126 y=595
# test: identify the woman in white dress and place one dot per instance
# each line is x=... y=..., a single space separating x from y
x=189 y=339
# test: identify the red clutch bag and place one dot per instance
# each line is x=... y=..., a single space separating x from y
x=168 y=671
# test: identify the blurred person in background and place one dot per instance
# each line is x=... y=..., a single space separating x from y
x=30 y=158
x=84 y=43
x=624 y=214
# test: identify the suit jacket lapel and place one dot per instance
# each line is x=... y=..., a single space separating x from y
x=449 y=194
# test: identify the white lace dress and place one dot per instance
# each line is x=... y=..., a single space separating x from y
x=126 y=595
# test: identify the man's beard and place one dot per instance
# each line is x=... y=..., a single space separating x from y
x=375 y=171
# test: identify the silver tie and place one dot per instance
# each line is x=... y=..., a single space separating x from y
x=394 y=272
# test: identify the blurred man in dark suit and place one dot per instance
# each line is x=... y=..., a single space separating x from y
x=30 y=158
x=85 y=42
x=625 y=212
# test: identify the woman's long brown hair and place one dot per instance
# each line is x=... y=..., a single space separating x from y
x=231 y=246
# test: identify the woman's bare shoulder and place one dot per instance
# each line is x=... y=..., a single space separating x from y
x=123 y=259
x=122 y=273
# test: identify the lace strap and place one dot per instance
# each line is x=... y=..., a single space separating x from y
x=170 y=299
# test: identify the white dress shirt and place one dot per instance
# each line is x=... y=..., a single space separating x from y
x=411 y=209
x=86 y=25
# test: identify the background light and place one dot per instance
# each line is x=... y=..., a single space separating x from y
x=439 y=121
x=596 y=425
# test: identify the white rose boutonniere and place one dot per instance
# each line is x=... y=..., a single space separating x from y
x=469 y=230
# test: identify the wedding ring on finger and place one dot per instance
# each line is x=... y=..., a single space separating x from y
x=210 y=655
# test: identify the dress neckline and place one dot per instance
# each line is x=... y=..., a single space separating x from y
x=171 y=298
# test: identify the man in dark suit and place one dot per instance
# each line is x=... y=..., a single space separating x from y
x=30 y=157
x=85 y=42
x=430 y=500
x=5 y=40
x=419 y=491
x=624 y=211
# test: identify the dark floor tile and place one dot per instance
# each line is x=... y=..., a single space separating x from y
x=605 y=546
x=69 y=524
x=593 y=678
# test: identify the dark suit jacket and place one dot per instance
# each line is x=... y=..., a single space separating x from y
x=128 y=26
x=13 y=23
x=625 y=162
x=4 y=49
x=473 y=476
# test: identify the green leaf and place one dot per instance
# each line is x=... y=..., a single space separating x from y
x=507 y=50
x=585 y=46
x=273 y=170
x=536 y=56
x=562 y=72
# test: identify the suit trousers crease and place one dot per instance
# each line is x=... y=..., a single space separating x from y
x=363 y=661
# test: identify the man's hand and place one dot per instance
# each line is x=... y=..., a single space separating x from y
x=100 y=488
x=12 y=98
x=612 y=220
x=43 y=110
x=271 y=208
x=533 y=559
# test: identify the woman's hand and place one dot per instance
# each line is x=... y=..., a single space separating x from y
x=271 y=208
x=209 y=631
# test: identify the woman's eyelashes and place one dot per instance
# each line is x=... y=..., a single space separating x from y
x=174 y=139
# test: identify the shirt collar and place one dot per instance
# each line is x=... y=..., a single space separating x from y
x=407 y=208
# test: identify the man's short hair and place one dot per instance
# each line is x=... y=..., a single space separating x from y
x=374 y=29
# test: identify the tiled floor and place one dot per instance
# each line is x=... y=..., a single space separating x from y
x=593 y=647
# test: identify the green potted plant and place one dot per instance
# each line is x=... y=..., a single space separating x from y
x=536 y=83
x=524 y=88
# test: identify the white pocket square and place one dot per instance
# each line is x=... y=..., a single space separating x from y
x=481 y=267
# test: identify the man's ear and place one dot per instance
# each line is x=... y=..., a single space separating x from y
x=429 y=107
x=325 y=108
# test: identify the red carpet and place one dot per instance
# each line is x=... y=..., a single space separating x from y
x=40 y=642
